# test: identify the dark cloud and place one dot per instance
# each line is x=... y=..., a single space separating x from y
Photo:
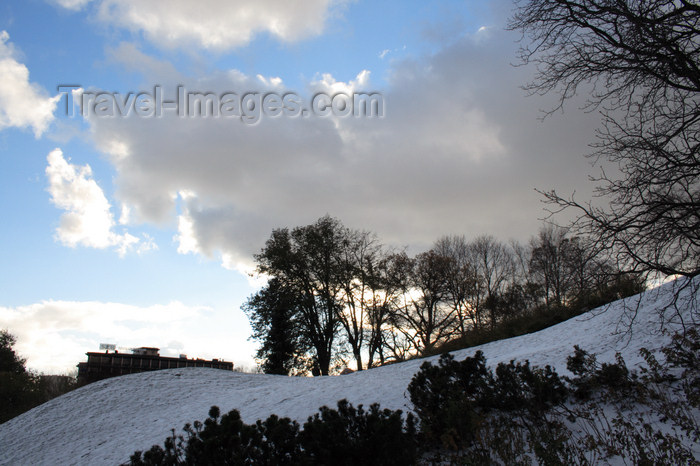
x=459 y=150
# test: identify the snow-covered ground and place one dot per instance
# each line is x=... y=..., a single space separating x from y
x=103 y=423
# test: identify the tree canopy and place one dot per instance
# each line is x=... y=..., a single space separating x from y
x=336 y=295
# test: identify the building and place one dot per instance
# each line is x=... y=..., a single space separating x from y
x=111 y=364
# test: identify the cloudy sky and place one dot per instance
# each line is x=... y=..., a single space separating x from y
x=139 y=229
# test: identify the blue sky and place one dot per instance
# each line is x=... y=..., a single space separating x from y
x=140 y=231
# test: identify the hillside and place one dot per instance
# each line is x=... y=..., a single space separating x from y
x=103 y=423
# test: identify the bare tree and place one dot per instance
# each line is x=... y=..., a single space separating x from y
x=549 y=264
x=426 y=319
x=494 y=264
x=354 y=252
x=640 y=58
x=530 y=291
x=387 y=281
x=461 y=280
x=361 y=254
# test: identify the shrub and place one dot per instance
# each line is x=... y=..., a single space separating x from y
x=347 y=435
x=453 y=399
x=446 y=398
x=521 y=387
x=590 y=377
x=642 y=418
x=517 y=415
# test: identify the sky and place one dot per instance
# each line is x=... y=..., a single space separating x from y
x=132 y=221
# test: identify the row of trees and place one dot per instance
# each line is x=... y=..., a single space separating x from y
x=638 y=61
x=335 y=292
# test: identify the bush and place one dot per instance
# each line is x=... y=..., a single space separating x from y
x=446 y=399
x=521 y=387
x=349 y=436
x=517 y=415
x=591 y=377
x=452 y=400
x=346 y=436
x=227 y=441
x=639 y=418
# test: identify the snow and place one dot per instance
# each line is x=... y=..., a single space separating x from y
x=105 y=422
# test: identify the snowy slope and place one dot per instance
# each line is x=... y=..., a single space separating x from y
x=103 y=423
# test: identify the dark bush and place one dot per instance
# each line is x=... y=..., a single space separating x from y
x=349 y=436
x=346 y=436
x=521 y=387
x=446 y=398
x=590 y=376
x=453 y=399
x=227 y=441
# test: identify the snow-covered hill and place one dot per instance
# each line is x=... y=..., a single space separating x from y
x=103 y=423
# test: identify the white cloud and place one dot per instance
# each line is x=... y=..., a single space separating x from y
x=124 y=216
x=214 y=24
x=88 y=220
x=74 y=5
x=330 y=85
x=146 y=244
x=55 y=335
x=382 y=55
x=186 y=238
x=22 y=104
